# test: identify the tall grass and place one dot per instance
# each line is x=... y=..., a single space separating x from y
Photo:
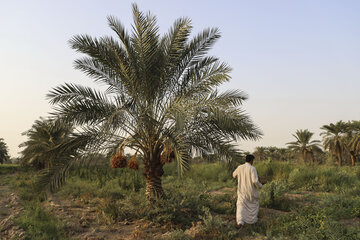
x=40 y=224
x=201 y=197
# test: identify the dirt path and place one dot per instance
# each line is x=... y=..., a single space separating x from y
x=84 y=220
x=9 y=208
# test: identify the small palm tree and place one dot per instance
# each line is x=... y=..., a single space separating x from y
x=51 y=147
x=352 y=140
x=304 y=146
x=4 y=155
x=160 y=94
x=283 y=154
x=333 y=139
x=47 y=140
x=260 y=153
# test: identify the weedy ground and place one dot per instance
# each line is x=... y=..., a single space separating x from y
x=297 y=202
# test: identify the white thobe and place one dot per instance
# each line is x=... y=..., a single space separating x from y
x=247 y=205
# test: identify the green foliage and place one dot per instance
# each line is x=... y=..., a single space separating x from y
x=207 y=205
x=223 y=203
x=9 y=168
x=213 y=172
x=128 y=207
x=310 y=222
x=214 y=227
x=40 y=224
x=126 y=178
x=273 y=153
x=303 y=146
x=4 y=152
x=325 y=179
x=179 y=207
x=273 y=170
x=47 y=143
x=272 y=195
x=156 y=92
x=342 y=206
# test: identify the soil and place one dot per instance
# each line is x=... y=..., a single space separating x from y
x=10 y=207
x=84 y=220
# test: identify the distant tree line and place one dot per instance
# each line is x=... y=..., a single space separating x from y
x=4 y=152
x=341 y=141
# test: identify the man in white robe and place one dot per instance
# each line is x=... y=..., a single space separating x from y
x=247 y=205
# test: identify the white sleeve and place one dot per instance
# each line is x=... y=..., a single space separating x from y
x=235 y=173
x=255 y=179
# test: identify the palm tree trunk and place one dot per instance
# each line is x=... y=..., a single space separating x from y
x=353 y=157
x=304 y=156
x=154 y=188
x=153 y=172
x=339 y=159
x=311 y=154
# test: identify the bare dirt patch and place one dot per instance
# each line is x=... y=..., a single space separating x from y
x=84 y=220
x=9 y=209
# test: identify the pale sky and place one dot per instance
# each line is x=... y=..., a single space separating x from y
x=298 y=60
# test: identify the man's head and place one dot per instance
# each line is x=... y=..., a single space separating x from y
x=250 y=159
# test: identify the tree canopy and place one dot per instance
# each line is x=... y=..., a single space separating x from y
x=160 y=93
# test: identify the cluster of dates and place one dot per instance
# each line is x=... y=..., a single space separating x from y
x=119 y=160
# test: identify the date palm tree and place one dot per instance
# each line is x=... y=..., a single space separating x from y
x=260 y=153
x=158 y=92
x=352 y=140
x=4 y=155
x=47 y=140
x=333 y=139
x=304 y=145
x=50 y=148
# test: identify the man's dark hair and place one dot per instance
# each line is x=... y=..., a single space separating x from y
x=249 y=158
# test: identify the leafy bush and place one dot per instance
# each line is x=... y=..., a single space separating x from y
x=129 y=208
x=327 y=179
x=273 y=170
x=182 y=205
x=310 y=222
x=214 y=227
x=40 y=224
x=10 y=168
x=272 y=195
x=342 y=206
x=223 y=203
x=101 y=174
x=212 y=172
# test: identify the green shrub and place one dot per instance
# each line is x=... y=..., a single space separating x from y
x=273 y=170
x=325 y=179
x=223 y=203
x=272 y=195
x=77 y=187
x=10 y=168
x=214 y=227
x=178 y=208
x=342 y=206
x=212 y=172
x=170 y=169
x=310 y=222
x=40 y=224
x=114 y=210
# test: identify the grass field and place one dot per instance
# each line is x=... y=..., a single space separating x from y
x=297 y=202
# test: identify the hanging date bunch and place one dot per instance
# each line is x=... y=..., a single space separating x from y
x=119 y=159
x=133 y=164
x=167 y=155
